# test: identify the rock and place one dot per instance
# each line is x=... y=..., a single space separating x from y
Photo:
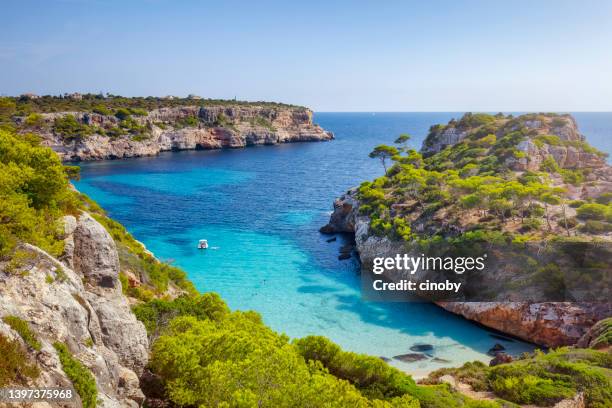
x=331 y=239
x=500 y=358
x=83 y=308
x=576 y=402
x=410 y=357
x=343 y=216
x=95 y=253
x=385 y=359
x=422 y=347
x=344 y=256
x=283 y=125
x=496 y=349
x=440 y=360
x=448 y=379
x=599 y=336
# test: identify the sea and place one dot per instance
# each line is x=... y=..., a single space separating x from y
x=260 y=208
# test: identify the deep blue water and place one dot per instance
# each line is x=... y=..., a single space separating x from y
x=261 y=207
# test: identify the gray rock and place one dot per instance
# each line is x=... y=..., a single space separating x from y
x=410 y=357
x=82 y=309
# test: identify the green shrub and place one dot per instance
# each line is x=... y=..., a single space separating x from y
x=69 y=128
x=596 y=227
x=605 y=198
x=122 y=113
x=34 y=120
x=576 y=203
x=22 y=327
x=156 y=313
x=545 y=379
x=372 y=376
x=138 y=112
x=189 y=121
x=574 y=177
x=83 y=381
x=102 y=110
x=14 y=364
x=34 y=195
x=593 y=211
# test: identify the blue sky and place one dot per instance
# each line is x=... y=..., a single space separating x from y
x=329 y=55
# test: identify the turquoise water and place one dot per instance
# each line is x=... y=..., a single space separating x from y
x=260 y=209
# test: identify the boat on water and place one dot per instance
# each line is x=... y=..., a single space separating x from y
x=202 y=244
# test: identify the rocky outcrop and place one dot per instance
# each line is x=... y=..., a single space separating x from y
x=569 y=152
x=183 y=128
x=547 y=324
x=78 y=301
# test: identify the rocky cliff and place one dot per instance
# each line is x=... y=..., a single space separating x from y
x=550 y=324
x=78 y=301
x=174 y=128
x=547 y=148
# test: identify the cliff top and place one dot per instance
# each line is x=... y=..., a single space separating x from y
x=526 y=177
x=29 y=103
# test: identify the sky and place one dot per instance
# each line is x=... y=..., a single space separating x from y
x=329 y=55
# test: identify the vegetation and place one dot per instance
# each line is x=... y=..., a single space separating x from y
x=70 y=128
x=471 y=184
x=209 y=356
x=14 y=365
x=22 y=327
x=34 y=194
x=103 y=104
x=83 y=381
x=384 y=153
x=263 y=122
x=542 y=379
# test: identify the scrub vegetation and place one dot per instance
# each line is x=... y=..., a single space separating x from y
x=472 y=185
x=542 y=379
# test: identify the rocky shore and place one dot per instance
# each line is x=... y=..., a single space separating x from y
x=179 y=128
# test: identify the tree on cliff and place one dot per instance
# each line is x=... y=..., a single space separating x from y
x=403 y=140
x=384 y=152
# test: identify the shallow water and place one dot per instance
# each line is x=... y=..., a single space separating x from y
x=260 y=209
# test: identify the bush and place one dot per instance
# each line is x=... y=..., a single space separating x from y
x=122 y=113
x=240 y=361
x=14 y=364
x=605 y=199
x=83 y=381
x=102 y=110
x=547 y=378
x=156 y=313
x=22 y=327
x=593 y=211
x=372 y=376
x=34 y=195
x=34 y=120
x=70 y=129
x=596 y=227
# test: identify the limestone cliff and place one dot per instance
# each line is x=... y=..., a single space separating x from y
x=548 y=324
x=509 y=148
x=177 y=128
x=79 y=302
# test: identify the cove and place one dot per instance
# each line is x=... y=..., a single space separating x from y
x=260 y=209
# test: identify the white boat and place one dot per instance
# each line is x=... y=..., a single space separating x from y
x=202 y=244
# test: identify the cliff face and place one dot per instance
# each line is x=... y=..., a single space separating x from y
x=550 y=324
x=78 y=301
x=468 y=180
x=182 y=128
